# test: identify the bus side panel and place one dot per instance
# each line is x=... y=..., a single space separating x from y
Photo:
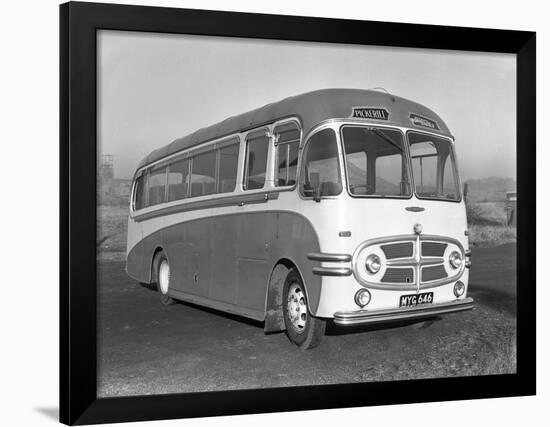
x=140 y=257
x=175 y=246
x=136 y=265
x=229 y=258
x=256 y=236
x=223 y=264
x=197 y=256
x=295 y=238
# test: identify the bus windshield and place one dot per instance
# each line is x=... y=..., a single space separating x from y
x=376 y=162
x=434 y=167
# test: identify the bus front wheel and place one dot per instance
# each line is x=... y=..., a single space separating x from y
x=302 y=328
x=162 y=277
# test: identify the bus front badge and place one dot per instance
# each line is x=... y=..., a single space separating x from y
x=417 y=228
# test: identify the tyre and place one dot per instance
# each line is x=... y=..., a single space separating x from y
x=162 y=278
x=302 y=328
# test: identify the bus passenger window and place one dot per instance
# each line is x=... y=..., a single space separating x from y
x=203 y=175
x=178 y=180
x=287 y=160
x=156 y=184
x=321 y=165
x=139 y=194
x=288 y=142
x=227 y=174
x=256 y=161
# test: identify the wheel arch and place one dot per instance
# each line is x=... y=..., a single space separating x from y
x=152 y=268
x=274 y=319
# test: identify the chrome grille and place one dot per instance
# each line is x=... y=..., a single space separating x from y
x=435 y=272
x=433 y=249
x=398 y=250
x=398 y=275
x=412 y=262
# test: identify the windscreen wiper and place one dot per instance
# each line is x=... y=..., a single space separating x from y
x=386 y=138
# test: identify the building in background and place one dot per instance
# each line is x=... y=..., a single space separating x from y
x=111 y=191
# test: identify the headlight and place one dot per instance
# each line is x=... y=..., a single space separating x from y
x=459 y=289
x=455 y=259
x=373 y=263
x=362 y=297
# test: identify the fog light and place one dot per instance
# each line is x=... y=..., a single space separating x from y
x=373 y=263
x=459 y=289
x=455 y=259
x=362 y=297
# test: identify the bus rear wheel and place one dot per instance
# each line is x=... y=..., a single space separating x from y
x=302 y=328
x=162 y=277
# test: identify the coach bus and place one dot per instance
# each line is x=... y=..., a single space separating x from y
x=337 y=205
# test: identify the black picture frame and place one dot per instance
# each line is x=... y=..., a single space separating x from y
x=79 y=22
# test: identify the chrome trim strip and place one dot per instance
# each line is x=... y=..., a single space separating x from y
x=417 y=257
x=412 y=262
x=330 y=271
x=409 y=262
x=329 y=257
x=468 y=252
x=216 y=202
x=346 y=318
x=468 y=263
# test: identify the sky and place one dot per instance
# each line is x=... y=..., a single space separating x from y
x=154 y=88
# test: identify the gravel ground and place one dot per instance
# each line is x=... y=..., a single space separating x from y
x=147 y=348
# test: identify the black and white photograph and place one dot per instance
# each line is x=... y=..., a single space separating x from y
x=274 y=213
x=277 y=213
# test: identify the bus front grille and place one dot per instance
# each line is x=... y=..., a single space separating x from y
x=409 y=262
x=433 y=273
x=433 y=249
x=398 y=275
x=398 y=250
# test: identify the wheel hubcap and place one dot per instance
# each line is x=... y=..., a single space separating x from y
x=296 y=307
x=164 y=276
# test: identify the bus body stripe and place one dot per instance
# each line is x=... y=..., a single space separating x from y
x=229 y=258
x=192 y=205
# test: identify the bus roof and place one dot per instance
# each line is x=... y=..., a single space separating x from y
x=312 y=108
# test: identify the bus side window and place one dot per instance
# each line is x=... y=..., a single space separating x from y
x=139 y=193
x=257 y=145
x=227 y=168
x=203 y=174
x=178 y=180
x=288 y=142
x=321 y=165
x=156 y=185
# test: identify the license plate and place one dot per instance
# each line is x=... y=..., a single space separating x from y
x=416 y=299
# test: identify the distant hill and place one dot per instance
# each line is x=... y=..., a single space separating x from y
x=357 y=175
x=491 y=189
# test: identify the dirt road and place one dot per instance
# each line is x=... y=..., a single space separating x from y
x=147 y=348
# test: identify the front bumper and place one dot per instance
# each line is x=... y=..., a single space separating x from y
x=359 y=317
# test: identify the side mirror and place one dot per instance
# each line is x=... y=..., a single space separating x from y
x=315 y=182
x=465 y=190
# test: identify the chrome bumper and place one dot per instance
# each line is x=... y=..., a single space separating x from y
x=365 y=316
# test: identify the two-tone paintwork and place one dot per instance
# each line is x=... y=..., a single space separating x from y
x=223 y=249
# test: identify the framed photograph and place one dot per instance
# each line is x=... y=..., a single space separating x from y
x=267 y=213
